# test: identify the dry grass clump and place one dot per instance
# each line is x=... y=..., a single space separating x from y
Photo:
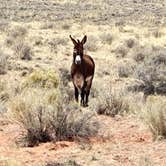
x=106 y=38
x=15 y=40
x=4 y=94
x=16 y=33
x=125 y=67
x=4 y=25
x=5 y=161
x=47 y=25
x=66 y=90
x=121 y=51
x=67 y=163
x=155 y=116
x=65 y=76
x=3 y=62
x=56 y=42
x=23 y=50
x=66 y=26
x=46 y=121
x=153 y=68
x=156 y=32
x=110 y=103
x=38 y=40
x=3 y=108
x=131 y=42
x=146 y=161
x=42 y=78
x=91 y=44
x=139 y=53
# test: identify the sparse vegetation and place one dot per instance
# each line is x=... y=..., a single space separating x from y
x=46 y=118
x=15 y=34
x=106 y=38
x=18 y=32
x=55 y=42
x=111 y=104
x=66 y=26
x=153 y=67
x=47 y=25
x=91 y=44
x=130 y=42
x=23 y=50
x=46 y=121
x=120 y=51
x=126 y=68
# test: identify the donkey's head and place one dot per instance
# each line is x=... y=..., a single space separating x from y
x=78 y=49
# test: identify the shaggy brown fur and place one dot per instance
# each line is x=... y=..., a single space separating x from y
x=82 y=73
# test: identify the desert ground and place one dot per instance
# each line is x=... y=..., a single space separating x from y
x=124 y=124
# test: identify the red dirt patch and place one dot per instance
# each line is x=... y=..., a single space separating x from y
x=129 y=143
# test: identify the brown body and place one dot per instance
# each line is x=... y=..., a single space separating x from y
x=82 y=75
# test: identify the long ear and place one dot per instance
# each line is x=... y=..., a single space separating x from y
x=73 y=40
x=84 y=39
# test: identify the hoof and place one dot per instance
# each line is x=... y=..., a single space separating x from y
x=85 y=105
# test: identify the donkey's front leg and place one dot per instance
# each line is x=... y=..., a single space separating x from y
x=76 y=93
x=86 y=100
x=82 y=97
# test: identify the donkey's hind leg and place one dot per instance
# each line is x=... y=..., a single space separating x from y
x=87 y=89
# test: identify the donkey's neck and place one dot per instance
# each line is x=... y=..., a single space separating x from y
x=80 y=68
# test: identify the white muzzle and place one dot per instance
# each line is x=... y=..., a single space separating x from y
x=78 y=59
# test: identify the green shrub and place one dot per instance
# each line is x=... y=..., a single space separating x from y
x=42 y=78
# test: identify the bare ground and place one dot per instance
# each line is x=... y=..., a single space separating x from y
x=129 y=143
